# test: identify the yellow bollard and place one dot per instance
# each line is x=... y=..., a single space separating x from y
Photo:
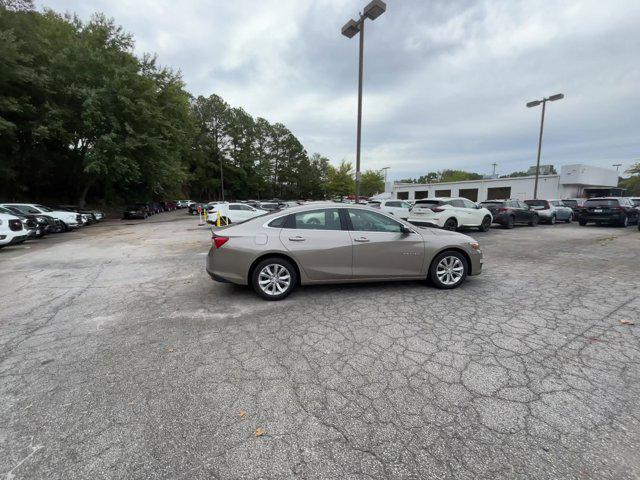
x=205 y=216
x=218 y=219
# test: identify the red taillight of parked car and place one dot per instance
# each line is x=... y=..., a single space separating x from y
x=503 y=209
x=219 y=241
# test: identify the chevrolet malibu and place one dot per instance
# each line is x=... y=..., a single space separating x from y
x=321 y=244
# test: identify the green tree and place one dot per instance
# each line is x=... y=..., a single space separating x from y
x=371 y=182
x=340 y=180
x=633 y=182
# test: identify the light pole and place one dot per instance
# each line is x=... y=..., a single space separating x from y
x=373 y=10
x=385 y=174
x=535 y=103
x=617 y=165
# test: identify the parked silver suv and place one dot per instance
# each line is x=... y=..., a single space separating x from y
x=551 y=211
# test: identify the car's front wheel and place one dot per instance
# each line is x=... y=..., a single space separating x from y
x=582 y=223
x=274 y=278
x=534 y=221
x=448 y=270
x=624 y=222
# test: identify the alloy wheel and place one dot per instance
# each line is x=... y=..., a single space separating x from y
x=450 y=270
x=274 y=279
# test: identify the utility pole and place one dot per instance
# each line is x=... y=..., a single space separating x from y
x=535 y=103
x=373 y=10
x=617 y=165
x=494 y=169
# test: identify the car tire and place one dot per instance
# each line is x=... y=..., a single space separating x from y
x=486 y=224
x=276 y=271
x=64 y=226
x=569 y=219
x=510 y=222
x=552 y=220
x=447 y=265
x=534 y=221
x=624 y=222
x=582 y=223
x=451 y=224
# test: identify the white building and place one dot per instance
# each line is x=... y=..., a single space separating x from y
x=574 y=181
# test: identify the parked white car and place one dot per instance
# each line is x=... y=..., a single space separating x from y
x=11 y=230
x=450 y=214
x=69 y=219
x=551 y=211
x=397 y=208
x=232 y=212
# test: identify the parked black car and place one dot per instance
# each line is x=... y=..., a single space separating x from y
x=617 y=211
x=137 y=210
x=511 y=212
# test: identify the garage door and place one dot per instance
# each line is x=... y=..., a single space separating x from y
x=498 y=193
x=469 y=194
x=443 y=193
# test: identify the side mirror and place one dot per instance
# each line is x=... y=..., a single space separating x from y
x=404 y=229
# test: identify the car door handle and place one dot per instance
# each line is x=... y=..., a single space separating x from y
x=297 y=239
x=361 y=239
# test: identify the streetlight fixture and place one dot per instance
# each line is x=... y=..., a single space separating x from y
x=617 y=165
x=535 y=103
x=373 y=10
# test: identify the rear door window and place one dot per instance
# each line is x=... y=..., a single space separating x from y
x=326 y=219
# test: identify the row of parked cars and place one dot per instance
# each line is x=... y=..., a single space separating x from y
x=455 y=213
x=146 y=209
x=23 y=221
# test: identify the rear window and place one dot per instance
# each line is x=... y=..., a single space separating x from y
x=536 y=203
x=492 y=204
x=427 y=203
x=570 y=203
x=601 y=203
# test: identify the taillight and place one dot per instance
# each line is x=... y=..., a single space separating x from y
x=219 y=241
x=437 y=209
x=503 y=209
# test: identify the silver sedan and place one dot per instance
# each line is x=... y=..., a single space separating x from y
x=331 y=243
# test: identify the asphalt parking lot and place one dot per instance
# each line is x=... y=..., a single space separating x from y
x=120 y=358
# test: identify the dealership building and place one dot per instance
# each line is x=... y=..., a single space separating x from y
x=573 y=181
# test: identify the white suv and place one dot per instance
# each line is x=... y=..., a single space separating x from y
x=69 y=219
x=232 y=212
x=397 y=208
x=11 y=230
x=450 y=214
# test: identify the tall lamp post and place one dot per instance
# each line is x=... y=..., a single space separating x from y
x=385 y=174
x=535 y=103
x=373 y=10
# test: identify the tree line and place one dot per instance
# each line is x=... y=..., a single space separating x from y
x=84 y=119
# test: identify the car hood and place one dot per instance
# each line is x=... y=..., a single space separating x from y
x=456 y=236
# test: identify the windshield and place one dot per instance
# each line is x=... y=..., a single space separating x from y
x=636 y=202
x=4 y=210
x=601 y=203
x=492 y=204
x=570 y=203
x=427 y=203
x=43 y=208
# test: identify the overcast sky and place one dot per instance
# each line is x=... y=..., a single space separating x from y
x=446 y=81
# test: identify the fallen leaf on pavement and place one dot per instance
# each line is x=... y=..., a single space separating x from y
x=259 y=432
x=168 y=349
x=627 y=322
x=242 y=413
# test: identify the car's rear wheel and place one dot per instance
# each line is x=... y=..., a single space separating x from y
x=582 y=223
x=624 y=222
x=552 y=220
x=486 y=224
x=274 y=278
x=448 y=270
x=510 y=222
x=451 y=224
x=569 y=219
x=534 y=221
